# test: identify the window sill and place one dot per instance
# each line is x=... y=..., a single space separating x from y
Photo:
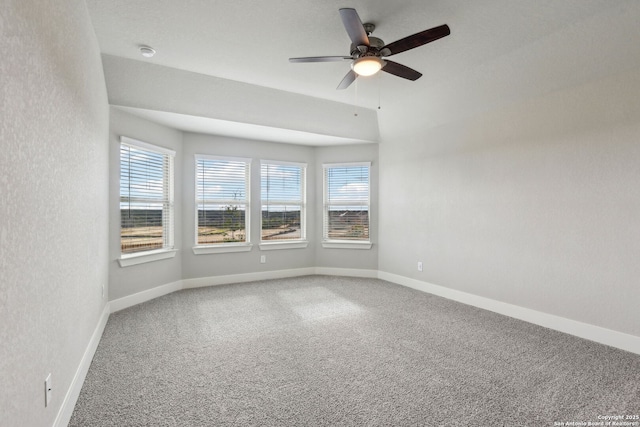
x=140 y=258
x=272 y=246
x=346 y=244
x=222 y=248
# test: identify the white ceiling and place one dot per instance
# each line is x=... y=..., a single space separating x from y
x=499 y=51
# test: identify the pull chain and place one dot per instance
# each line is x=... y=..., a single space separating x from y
x=355 y=104
x=379 y=84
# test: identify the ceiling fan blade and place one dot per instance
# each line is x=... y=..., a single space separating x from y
x=401 y=70
x=320 y=59
x=354 y=27
x=347 y=80
x=418 y=39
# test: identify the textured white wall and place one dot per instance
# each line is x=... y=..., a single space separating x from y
x=535 y=205
x=53 y=201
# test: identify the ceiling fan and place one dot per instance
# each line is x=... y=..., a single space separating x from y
x=367 y=52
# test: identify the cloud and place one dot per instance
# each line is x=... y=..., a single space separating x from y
x=353 y=191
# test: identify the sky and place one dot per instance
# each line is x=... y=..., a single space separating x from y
x=223 y=182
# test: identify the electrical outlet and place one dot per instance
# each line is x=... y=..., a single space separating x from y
x=419 y=265
x=47 y=390
x=263 y=259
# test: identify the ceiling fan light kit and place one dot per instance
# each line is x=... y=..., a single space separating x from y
x=367 y=66
x=367 y=52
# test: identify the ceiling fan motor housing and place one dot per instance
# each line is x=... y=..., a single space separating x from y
x=375 y=44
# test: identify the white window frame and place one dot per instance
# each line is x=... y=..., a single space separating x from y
x=337 y=243
x=266 y=245
x=213 y=248
x=167 y=250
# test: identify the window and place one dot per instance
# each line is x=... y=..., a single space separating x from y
x=346 y=203
x=146 y=197
x=282 y=190
x=222 y=200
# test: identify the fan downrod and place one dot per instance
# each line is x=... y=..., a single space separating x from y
x=369 y=28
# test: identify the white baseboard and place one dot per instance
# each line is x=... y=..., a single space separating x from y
x=144 y=296
x=277 y=274
x=245 y=277
x=70 y=399
x=348 y=272
x=598 y=334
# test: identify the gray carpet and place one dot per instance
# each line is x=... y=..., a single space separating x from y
x=334 y=351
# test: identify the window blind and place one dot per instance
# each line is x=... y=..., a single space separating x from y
x=146 y=197
x=222 y=200
x=282 y=193
x=346 y=202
